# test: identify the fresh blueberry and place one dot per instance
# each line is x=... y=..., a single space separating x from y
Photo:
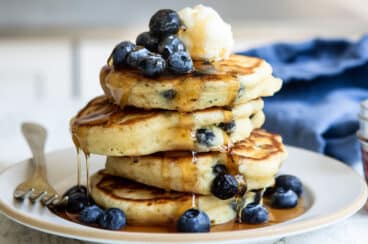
x=290 y=182
x=224 y=186
x=165 y=22
x=180 y=63
x=169 y=94
x=148 y=40
x=137 y=55
x=76 y=202
x=193 y=220
x=120 y=52
x=74 y=189
x=284 y=198
x=169 y=45
x=219 y=169
x=152 y=65
x=205 y=136
x=90 y=214
x=112 y=219
x=228 y=127
x=269 y=191
x=254 y=213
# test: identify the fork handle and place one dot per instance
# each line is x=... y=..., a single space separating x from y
x=36 y=135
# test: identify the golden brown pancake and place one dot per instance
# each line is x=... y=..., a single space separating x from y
x=146 y=205
x=103 y=128
x=223 y=83
x=257 y=158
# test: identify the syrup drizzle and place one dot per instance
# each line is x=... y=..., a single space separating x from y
x=276 y=216
x=79 y=170
x=86 y=156
x=120 y=85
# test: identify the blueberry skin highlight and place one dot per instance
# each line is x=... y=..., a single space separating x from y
x=169 y=45
x=254 y=214
x=120 y=52
x=284 y=199
x=112 y=219
x=137 y=55
x=289 y=182
x=76 y=188
x=180 y=63
x=90 y=215
x=152 y=65
x=193 y=221
x=165 y=22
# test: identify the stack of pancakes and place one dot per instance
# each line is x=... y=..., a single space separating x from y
x=163 y=137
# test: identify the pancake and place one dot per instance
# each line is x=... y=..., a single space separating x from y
x=145 y=205
x=103 y=128
x=223 y=83
x=257 y=158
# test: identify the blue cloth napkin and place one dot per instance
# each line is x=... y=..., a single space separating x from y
x=324 y=82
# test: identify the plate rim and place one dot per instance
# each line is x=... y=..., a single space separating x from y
x=225 y=236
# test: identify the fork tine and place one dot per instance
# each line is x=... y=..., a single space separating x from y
x=34 y=197
x=21 y=195
x=60 y=201
x=48 y=200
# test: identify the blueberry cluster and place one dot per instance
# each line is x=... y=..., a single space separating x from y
x=285 y=193
x=90 y=213
x=156 y=50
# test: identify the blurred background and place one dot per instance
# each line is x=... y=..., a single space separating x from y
x=51 y=51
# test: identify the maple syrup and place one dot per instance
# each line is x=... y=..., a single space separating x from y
x=119 y=85
x=276 y=216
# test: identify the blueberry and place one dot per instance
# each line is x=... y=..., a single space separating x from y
x=219 y=169
x=170 y=45
x=228 y=127
x=169 y=94
x=193 y=220
x=152 y=65
x=148 y=40
x=120 y=52
x=137 y=55
x=205 y=137
x=224 y=186
x=112 y=219
x=289 y=182
x=254 y=214
x=90 y=214
x=180 y=63
x=76 y=202
x=165 y=22
x=284 y=198
x=76 y=188
x=269 y=191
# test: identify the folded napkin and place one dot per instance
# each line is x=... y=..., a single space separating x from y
x=324 y=82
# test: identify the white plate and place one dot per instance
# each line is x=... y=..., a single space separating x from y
x=333 y=191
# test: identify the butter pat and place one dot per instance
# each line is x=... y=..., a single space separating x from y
x=207 y=36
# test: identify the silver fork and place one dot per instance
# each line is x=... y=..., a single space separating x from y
x=37 y=186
